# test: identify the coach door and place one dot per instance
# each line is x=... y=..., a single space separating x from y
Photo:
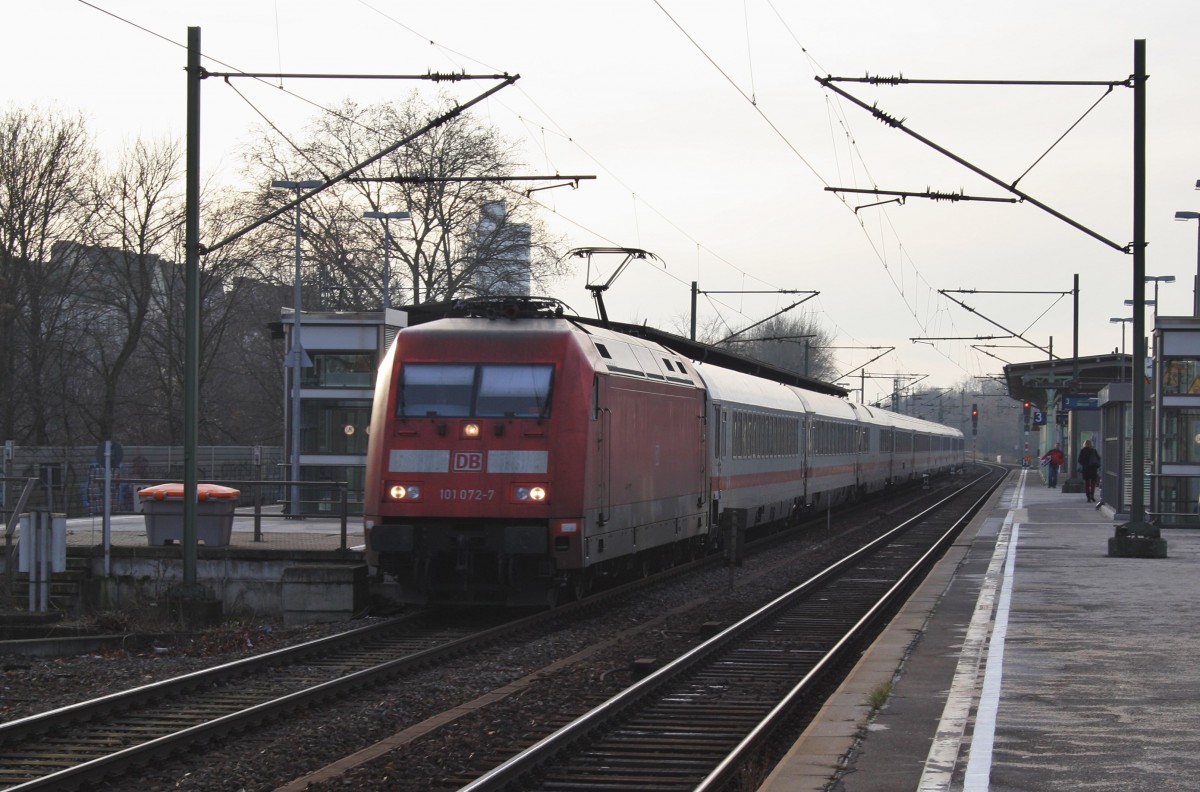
x=602 y=417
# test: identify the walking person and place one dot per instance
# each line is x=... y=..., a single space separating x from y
x=1089 y=467
x=1053 y=460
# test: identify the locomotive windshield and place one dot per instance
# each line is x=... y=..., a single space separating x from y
x=466 y=390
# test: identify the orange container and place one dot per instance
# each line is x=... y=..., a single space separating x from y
x=203 y=492
x=163 y=507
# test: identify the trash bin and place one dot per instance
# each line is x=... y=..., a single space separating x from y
x=163 y=507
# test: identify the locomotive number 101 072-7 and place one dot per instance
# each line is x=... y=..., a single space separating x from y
x=447 y=493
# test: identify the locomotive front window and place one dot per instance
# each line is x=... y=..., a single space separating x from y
x=478 y=391
x=517 y=390
x=441 y=389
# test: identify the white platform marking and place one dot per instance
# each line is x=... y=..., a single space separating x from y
x=947 y=743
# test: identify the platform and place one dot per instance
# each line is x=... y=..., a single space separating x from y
x=301 y=569
x=1028 y=660
x=310 y=533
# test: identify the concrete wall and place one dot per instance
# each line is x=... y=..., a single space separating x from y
x=279 y=589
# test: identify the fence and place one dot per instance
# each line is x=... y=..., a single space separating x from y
x=75 y=475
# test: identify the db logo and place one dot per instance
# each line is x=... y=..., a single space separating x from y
x=471 y=461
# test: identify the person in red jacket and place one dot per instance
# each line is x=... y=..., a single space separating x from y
x=1052 y=459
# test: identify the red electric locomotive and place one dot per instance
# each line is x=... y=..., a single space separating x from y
x=515 y=459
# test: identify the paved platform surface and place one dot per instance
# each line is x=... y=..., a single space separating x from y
x=277 y=532
x=1028 y=660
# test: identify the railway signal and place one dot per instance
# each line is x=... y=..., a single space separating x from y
x=974 y=419
x=1025 y=407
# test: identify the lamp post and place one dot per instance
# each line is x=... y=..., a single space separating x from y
x=1123 y=323
x=1196 y=285
x=387 y=245
x=1142 y=340
x=296 y=357
x=1157 y=279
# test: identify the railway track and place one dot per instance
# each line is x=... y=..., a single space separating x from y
x=86 y=742
x=83 y=743
x=702 y=719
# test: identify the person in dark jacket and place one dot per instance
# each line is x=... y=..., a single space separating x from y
x=1089 y=467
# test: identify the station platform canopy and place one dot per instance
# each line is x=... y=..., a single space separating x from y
x=1031 y=381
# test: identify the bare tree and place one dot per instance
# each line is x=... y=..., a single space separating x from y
x=441 y=253
x=796 y=343
x=137 y=214
x=46 y=164
x=236 y=308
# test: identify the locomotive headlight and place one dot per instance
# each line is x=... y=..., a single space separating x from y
x=470 y=430
x=528 y=493
x=404 y=492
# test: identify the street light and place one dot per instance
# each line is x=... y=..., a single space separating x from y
x=1196 y=285
x=387 y=245
x=1123 y=323
x=296 y=358
x=1157 y=279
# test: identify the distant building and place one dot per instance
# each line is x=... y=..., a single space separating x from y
x=345 y=349
x=502 y=250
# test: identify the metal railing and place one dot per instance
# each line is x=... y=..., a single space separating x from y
x=27 y=489
x=340 y=489
x=29 y=486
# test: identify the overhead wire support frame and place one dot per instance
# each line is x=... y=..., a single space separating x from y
x=811 y=294
x=932 y=195
x=1012 y=333
x=898 y=123
x=902 y=80
x=433 y=76
x=453 y=112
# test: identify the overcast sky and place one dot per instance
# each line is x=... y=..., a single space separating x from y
x=713 y=144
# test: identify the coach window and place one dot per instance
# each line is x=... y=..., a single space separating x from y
x=519 y=391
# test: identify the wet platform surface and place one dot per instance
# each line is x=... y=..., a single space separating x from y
x=1028 y=660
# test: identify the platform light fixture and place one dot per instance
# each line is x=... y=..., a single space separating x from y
x=1157 y=279
x=1195 y=286
x=387 y=246
x=1123 y=321
x=296 y=357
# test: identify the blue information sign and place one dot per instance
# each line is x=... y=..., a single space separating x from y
x=1078 y=401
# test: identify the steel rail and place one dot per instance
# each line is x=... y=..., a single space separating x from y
x=781 y=711
x=515 y=771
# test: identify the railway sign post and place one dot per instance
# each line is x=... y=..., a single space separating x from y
x=108 y=456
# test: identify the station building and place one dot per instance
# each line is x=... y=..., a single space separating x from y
x=1091 y=398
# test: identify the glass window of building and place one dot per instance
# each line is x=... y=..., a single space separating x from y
x=1181 y=376
x=322 y=496
x=334 y=426
x=340 y=370
x=1181 y=437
